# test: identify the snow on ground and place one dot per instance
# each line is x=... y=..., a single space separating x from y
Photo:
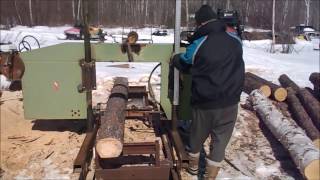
x=298 y=65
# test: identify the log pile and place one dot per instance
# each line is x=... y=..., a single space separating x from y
x=109 y=142
x=251 y=84
x=253 y=81
x=301 y=117
x=286 y=82
x=311 y=105
x=306 y=100
x=304 y=153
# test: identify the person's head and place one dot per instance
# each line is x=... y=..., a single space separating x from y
x=204 y=15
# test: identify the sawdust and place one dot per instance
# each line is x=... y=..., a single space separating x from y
x=36 y=149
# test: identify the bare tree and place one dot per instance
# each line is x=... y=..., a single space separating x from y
x=18 y=14
x=228 y=4
x=73 y=12
x=272 y=49
x=30 y=12
x=187 y=13
x=285 y=13
x=307 y=3
x=78 y=11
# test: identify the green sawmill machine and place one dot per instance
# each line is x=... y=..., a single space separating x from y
x=58 y=84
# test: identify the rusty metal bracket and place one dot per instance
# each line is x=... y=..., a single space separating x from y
x=155 y=169
x=88 y=70
x=82 y=161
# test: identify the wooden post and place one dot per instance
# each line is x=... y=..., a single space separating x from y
x=301 y=117
x=277 y=93
x=110 y=134
x=285 y=82
x=304 y=153
x=311 y=105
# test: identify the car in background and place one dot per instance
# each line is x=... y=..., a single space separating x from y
x=76 y=33
x=302 y=29
x=160 y=32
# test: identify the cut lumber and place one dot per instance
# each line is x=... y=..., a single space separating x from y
x=286 y=82
x=251 y=84
x=277 y=93
x=109 y=142
x=311 y=105
x=301 y=116
x=304 y=153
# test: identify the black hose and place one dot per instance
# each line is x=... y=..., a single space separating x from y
x=25 y=43
x=151 y=92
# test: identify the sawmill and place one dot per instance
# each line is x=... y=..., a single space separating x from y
x=58 y=81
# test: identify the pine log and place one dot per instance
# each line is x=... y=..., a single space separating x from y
x=311 y=105
x=315 y=80
x=304 y=153
x=301 y=116
x=314 y=93
x=286 y=82
x=277 y=93
x=110 y=134
x=251 y=84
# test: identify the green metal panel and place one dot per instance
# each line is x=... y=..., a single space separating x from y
x=149 y=53
x=58 y=65
x=184 y=112
x=50 y=83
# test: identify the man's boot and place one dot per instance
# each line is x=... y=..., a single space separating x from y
x=212 y=169
x=193 y=167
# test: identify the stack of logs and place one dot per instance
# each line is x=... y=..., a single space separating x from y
x=304 y=107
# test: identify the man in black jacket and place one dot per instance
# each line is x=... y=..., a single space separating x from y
x=214 y=59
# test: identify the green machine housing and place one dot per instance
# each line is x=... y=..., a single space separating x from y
x=53 y=75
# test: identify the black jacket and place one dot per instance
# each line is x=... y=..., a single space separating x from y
x=217 y=66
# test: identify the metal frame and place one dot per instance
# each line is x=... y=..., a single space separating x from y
x=154 y=168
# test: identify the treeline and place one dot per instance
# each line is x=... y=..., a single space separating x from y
x=140 y=13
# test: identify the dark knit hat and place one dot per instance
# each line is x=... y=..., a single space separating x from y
x=205 y=13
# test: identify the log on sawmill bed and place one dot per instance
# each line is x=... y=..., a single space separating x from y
x=109 y=141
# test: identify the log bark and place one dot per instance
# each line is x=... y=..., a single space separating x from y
x=277 y=93
x=283 y=107
x=301 y=116
x=311 y=105
x=110 y=134
x=315 y=80
x=286 y=82
x=304 y=153
x=314 y=93
x=251 y=84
